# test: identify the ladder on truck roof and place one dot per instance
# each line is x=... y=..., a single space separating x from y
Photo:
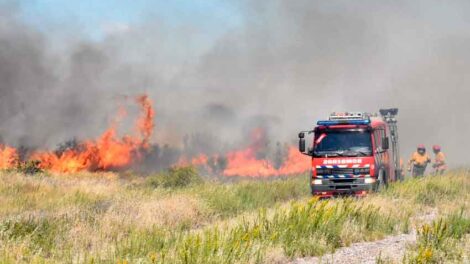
x=390 y=117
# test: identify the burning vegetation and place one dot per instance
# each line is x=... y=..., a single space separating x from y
x=250 y=161
x=113 y=152
x=8 y=157
x=254 y=160
x=107 y=152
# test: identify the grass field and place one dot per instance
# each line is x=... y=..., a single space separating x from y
x=181 y=217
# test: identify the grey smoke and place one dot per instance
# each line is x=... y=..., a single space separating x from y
x=286 y=65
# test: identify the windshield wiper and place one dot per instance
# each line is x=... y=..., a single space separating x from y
x=364 y=153
x=326 y=153
x=349 y=154
x=359 y=152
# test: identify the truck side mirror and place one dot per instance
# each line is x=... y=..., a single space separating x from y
x=385 y=143
x=302 y=142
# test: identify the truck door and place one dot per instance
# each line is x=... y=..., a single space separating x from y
x=381 y=155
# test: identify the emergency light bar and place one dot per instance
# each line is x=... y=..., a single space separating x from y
x=348 y=116
x=343 y=122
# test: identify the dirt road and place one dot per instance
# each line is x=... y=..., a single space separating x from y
x=391 y=248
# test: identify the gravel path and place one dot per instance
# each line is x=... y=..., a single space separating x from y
x=391 y=248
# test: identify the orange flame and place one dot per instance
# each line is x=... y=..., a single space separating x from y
x=108 y=152
x=8 y=157
x=246 y=163
x=200 y=160
x=295 y=163
x=145 y=123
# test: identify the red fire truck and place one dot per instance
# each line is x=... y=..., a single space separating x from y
x=353 y=153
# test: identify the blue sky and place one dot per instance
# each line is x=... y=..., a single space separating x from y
x=92 y=17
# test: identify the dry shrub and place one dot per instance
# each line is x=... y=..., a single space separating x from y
x=172 y=211
x=351 y=233
x=175 y=177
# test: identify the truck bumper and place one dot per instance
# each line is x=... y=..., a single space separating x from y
x=340 y=187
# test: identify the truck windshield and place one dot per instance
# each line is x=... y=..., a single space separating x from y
x=343 y=143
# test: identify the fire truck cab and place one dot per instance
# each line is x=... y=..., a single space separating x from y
x=353 y=153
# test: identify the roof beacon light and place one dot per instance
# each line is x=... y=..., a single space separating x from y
x=343 y=122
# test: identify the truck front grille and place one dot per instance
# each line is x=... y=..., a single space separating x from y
x=342 y=171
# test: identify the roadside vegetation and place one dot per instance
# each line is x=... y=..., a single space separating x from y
x=179 y=216
x=444 y=240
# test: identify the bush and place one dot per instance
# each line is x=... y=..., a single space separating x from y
x=176 y=177
x=41 y=234
x=29 y=167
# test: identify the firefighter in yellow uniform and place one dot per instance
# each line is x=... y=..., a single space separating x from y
x=439 y=160
x=419 y=160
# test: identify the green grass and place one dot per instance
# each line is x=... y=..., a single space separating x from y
x=231 y=199
x=38 y=236
x=180 y=217
x=429 y=190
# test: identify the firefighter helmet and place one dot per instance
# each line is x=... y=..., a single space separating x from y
x=421 y=148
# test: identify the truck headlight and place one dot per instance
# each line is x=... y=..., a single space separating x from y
x=323 y=171
x=317 y=182
x=369 y=180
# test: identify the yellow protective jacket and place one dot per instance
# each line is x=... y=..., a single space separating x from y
x=440 y=161
x=419 y=160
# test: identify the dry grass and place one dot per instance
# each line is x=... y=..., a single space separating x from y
x=106 y=218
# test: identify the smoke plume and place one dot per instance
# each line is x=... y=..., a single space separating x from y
x=286 y=65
